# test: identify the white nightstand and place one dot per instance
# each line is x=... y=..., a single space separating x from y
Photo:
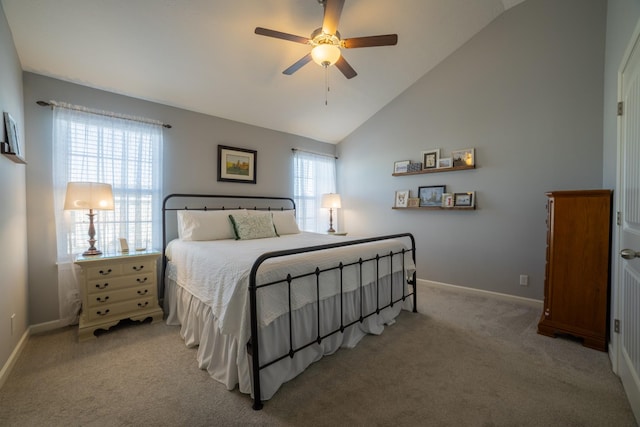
x=116 y=287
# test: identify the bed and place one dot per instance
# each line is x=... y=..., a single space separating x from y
x=262 y=300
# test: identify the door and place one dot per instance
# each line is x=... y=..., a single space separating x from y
x=627 y=286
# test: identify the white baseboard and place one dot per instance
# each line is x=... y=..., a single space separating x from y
x=532 y=301
x=33 y=329
x=6 y=369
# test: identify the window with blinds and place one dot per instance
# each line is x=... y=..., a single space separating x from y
x=313 y=176
x=123 y=153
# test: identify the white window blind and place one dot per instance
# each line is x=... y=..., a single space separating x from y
x=125 y=153
x=313 y=176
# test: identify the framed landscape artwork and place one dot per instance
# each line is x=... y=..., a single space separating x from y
x=236 y=164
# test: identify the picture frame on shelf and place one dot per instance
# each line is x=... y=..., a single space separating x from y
x=445 y=163
x=236 y=164
x=413 y=202
x=12 y=135
x=431 y=195
x=447 y=200
x=402 y=199
x=430 y=158
x=401 y=166
x=466 y=200
x=464 y=157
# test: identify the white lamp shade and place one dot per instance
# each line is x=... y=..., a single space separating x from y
x=325 y=54
x=331 y=201
x=88 y=195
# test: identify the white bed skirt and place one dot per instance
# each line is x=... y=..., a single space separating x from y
x=226 y=359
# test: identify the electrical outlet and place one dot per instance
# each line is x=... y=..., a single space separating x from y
x=13 y=318
x=524 y=280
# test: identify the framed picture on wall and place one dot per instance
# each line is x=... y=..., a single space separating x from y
x=463 y=199
x=464 y=157
x=431 y=195
x=12 y=134
x=236 y=164
x=430 y=158
x=402 y=198
x=401 y=166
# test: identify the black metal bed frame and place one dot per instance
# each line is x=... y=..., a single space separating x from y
x=253 y=343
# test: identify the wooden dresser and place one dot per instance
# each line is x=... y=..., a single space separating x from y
x=116 y=287
x=576 y=286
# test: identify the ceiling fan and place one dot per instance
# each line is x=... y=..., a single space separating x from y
x=327 y=43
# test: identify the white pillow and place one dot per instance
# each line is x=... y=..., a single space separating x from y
x=248 y=227
x=206 y=225
x=285 y=222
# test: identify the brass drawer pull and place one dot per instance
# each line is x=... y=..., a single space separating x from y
x=139 y=280
x=141 y=305
x=105 y=273
x=100 y=299
x=100 y=313
x=136 y=268
x=102 y=286
x=144 y=292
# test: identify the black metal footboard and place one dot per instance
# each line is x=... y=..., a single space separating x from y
x=253 y=344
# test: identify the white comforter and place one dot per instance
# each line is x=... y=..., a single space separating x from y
x=217 y=273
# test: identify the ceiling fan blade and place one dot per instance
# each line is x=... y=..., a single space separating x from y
x=332 y=12
x=371 y=41
x=298 y=64
x=280 y=35
x=346 y=69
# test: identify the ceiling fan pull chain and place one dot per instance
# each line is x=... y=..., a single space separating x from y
x=326 y=83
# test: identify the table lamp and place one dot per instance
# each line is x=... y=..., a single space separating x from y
x=331 y=201
x=92 y=196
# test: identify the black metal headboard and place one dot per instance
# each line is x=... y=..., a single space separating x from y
x=209 y=202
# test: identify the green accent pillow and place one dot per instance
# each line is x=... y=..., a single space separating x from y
x=247 y=227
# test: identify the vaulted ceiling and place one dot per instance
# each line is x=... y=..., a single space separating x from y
x=203 y=55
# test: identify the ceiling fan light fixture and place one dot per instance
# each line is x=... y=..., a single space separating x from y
x=325 y=54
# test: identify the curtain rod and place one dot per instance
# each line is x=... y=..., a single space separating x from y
x=101 y=113
x=314 y=152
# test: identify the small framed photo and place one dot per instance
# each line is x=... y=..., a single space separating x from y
x=430 y=158
x=414 y=202
x=464 y=157
x=444 y=163
x=447 y=200
x=236 y=164
x=402 y=199
x=12 y=134
x=401 y=166
x=431 y=195
x=464 y=199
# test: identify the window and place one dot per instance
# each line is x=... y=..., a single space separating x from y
x=121 y=152
x=313 y=176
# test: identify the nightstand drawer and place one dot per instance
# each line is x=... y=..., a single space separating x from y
x=94 y=286
x=115 y=296
x=104 y=271
x=128 y=307
x=146 y=266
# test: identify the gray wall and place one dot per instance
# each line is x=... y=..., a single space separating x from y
x=13 y=226
x=527 y=93
x=190 y=155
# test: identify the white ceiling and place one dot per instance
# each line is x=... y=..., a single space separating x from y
x=203 y=55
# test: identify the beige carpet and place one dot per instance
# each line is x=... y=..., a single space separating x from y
x=467 y=360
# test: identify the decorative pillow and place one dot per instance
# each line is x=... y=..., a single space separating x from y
x=206 y=225
x=285 y=222
x=253 y=226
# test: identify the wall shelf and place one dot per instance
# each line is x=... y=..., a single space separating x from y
x=438 y=208
x=4 y=149
x=437 y=170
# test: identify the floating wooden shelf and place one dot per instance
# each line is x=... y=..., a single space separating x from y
x=435 y=170
x=439 y=208
x=4 y=149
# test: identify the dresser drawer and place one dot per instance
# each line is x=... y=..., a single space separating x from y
x=104 y=271
x=101 y=285
x=120 y=295
x=145 y=266
x=130 y=308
